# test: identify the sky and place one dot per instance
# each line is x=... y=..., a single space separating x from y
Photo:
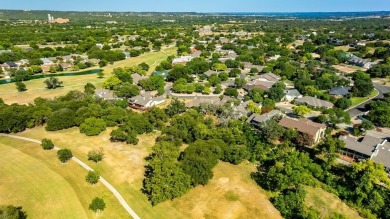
x=200 y=5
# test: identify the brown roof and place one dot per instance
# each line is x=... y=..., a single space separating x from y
x=302 y=125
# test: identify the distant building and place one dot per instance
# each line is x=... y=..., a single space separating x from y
x=257 y=119
x=106 y=94
x=145 y=101
x=291 y=95
x=182 y=60
x=314 y=102
x=303 y=125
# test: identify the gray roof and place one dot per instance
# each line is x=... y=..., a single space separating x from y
x=293 y=92
x=210 y=72
x=256 y=119
x=340 y=91
x=366 y=146
x=271 y=77
x=382 y=155
x=137 y=77
x=105 y=94
x=314 y=102
x=200 y=100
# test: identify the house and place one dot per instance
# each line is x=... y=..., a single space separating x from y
x=257 y=119
x=264 y=82
x=127 y=55
x=106 y=94
x=372 y=146
x=47 y=61
x=182 y=60
x=275 y=57
x=291 y=94
x=314 y=102
x=268 y=77
x=163 y=74
x=303 y=125
x=354 y=60
x=203 y=100
x=209 y=73
x=340 y=91
x=66 y=66
x=137 y=78
x=145 y=101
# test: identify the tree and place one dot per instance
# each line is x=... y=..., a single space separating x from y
x=253 y=108
x=343 y=103
x=111 y=82
x=363 y=85
x=100 y=74
x=12 y=212
x=175 y=107
x=239 y=83
x=331 y=147
x=223 y=76
x=255 y=94
x=103 y=63
x=97 y=205
x=154 y=82
x=93 y=126
x=271 y=130
x=124 y=74
x=92 y=177
x=126 y=90
x=96 y=155
x=301 y=110
x=304 y=139
x=232 y=92
x=367 y=125
x=219 y=67
x=20 y=86
x=234 y=72
x=53 y=83
x=64 y=155
x=276 y=92
x=47 y=144
x=291 y=203
x=218 y=89
x=89 y=88
x=21 y=75
x=61 y=119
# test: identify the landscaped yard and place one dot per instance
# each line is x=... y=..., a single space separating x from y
x=230 y=194
x=36 y=88
x=358 y=100
x=326 y=203
x=36 y=180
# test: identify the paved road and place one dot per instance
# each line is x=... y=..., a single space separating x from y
x=85 y=166
x=359 y=109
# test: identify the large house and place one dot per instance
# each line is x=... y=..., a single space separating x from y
x=145 y=101
x=106 y=94
x=182 y=60
x=264 y=82
x=291 y=94
x=340 y=91
x=373 y=146
x=314 y=102
x=303 y=125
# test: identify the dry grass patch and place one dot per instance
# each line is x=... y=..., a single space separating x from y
x=327 y=203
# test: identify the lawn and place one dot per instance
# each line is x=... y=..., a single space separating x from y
x=36 y=88
x=358 y=100
x=230 y=194
x=45 y=188
x=327 y=203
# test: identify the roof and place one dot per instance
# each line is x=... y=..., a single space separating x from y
x=137 y=77
x=293 y=93
x=264 y=85
x=198 y=101
x=314 y=102
x=271 y=77
x=105 y=94
x=164 y=74
x=257 y=118
x=382 y=154
x=340 y=91
x=145 y=98
x=302 y=125
x=210 y=72
x=11 y=64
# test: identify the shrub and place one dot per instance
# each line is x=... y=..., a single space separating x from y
x=97 y=204
x=96 y=155
x=61 y=119
x=47 y=144
x=92 y=177
x=64 y=155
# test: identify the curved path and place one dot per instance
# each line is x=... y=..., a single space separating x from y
x=85 y=166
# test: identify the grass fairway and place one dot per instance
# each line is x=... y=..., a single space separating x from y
x=230 y=194
x=36 y=88
x=36 y=180
x=327 y=203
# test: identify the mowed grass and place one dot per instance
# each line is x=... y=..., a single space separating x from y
x=46 y=188
x=327 y=203
x=230 y=194
x=358 y=100
x=27 y=182
x=36 y=88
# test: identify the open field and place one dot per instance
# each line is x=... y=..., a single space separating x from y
x=327 y=203
x=358 y=100
x=348 y=68
x=45 y=187
x=230 y=194
x=36 y=88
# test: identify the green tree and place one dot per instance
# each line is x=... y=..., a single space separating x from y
x=175 y=107
x=64 y=155
x=301 y=110
x=47 y=144
x=363 y=85
x=219 y=67
x=100 y=74
x=92 y=177
x=53 y=83
x=61 y=119
x=20 y=86
x=97 y=205
x=93 y=126
x=89 y=88
x=12 y=212
x=231 y=92
x=126 y=90
x=343 y=103
x=111 y=82
x=367 y=125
